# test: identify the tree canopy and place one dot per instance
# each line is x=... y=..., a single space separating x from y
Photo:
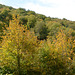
x=33 y=44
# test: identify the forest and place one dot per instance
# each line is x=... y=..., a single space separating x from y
x=33 y=44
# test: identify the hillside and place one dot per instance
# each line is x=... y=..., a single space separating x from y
x=32 y=19
x=36 y=44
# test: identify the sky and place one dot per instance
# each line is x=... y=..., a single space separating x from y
x=53 y=8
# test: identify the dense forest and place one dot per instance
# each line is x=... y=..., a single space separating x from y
x=33 y=44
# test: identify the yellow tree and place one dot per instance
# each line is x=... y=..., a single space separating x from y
x=56 y=55
x=61 y=47
x=18 y=46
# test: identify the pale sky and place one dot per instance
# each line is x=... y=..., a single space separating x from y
x=53 y=8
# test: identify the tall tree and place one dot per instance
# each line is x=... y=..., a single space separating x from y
x=18 y=46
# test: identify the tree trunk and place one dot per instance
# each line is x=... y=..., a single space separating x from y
x=18 y=62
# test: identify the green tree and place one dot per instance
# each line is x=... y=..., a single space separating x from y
x=41 y=30
x=31 y=21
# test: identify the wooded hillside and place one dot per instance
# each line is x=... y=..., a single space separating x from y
x=33 y=44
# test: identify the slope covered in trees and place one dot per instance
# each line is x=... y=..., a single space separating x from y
x=33 y=44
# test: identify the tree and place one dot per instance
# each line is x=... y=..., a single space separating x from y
x=41 y=30
x=55 y=57
x=31 y=21
x=53 y=27
x=40 y=16
x=23 y=20
x=18 y=47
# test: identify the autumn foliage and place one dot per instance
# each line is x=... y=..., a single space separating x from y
x=18 y=47
x=21 y=53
